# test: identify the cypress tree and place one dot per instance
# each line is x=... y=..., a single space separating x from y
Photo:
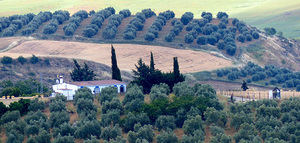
x=116 y=74
x=176 y=68
x=76 y=74
x=151 y=62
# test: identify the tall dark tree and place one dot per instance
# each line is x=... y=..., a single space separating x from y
x=88 y=74
x=244 y=86
x=151 y=63
x=176 y=67
x=146 y=78
x=116 y=74
x=82 y=74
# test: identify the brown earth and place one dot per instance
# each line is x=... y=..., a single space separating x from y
x=127 y=54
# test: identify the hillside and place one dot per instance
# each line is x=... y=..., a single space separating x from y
x=259 y=13
x=48 y=68
x=127 y=54
x=264 y=50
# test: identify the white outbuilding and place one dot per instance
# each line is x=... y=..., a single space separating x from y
x=69 y=89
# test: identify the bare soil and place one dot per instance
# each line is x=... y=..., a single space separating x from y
x=127 y=54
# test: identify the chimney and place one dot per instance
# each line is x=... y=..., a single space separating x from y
x=61 y=80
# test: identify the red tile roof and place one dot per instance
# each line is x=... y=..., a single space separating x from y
x=97 y=82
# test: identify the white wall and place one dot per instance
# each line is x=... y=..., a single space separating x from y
x=69 y=90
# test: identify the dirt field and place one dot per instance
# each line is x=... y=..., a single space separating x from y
x=127 y=54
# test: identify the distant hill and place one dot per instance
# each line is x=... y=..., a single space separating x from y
x=281 y=14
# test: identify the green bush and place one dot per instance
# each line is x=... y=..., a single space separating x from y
x=270 y=30
x=6 y=60
x=10 y=116
x=34 y=59
x=22 y=60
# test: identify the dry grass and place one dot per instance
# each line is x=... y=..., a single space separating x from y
x=127 y=54
x=3 y=135
x=74 y=115
x=179 y=133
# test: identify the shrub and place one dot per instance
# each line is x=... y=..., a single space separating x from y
x=51 y=27
x=167 y=137
x=6 y=60
x=186 y=17
x=212 y=40
x=247 y=132
x=36 y=22
x=36 y=105
x=188 y=38
x=3 y=108
x=148 y=13
x=58 y=118
x=248 y=37
x=207 y=15
x=170 y=37
x=34 y=59
x=85 y=106
x=298 y=88
x=90 y=30
x=240 y=118
x=111 y=29
x=215 y=130
x=141 y=133
x=182 y=89
x=149 y=36
x=159 y=91
x=111 y=117
x=107 y=94
x=84 y=93
x=217 y=117
x=43 y=137
x=192 y=124
x=221 y=15
x=10 y=116
x=221 y=138
x=230 y=50
x=75 y=21
x=165 y=122
x=64 y=139
x=201 y=40
x=109 y=133
x=270 y=30
x=115 y=104
x=86 y=129
x=255 y=35
x=125 y=13
x=132 y=119
x=221 y=45
x=21 y=60
x=63 y=130
x=241 y=38
x=57 y=106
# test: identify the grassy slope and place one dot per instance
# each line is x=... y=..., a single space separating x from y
x=260 y=13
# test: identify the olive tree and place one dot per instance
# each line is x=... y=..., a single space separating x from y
x=110 y=133
x=165 y=122
x=107 y=94
x=192 y=124
x=141 y=132
x=213 y=116
x=167 y=137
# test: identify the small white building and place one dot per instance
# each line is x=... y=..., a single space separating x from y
x=69 y=89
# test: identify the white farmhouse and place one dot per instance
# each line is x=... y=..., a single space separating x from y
x=69 y=89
